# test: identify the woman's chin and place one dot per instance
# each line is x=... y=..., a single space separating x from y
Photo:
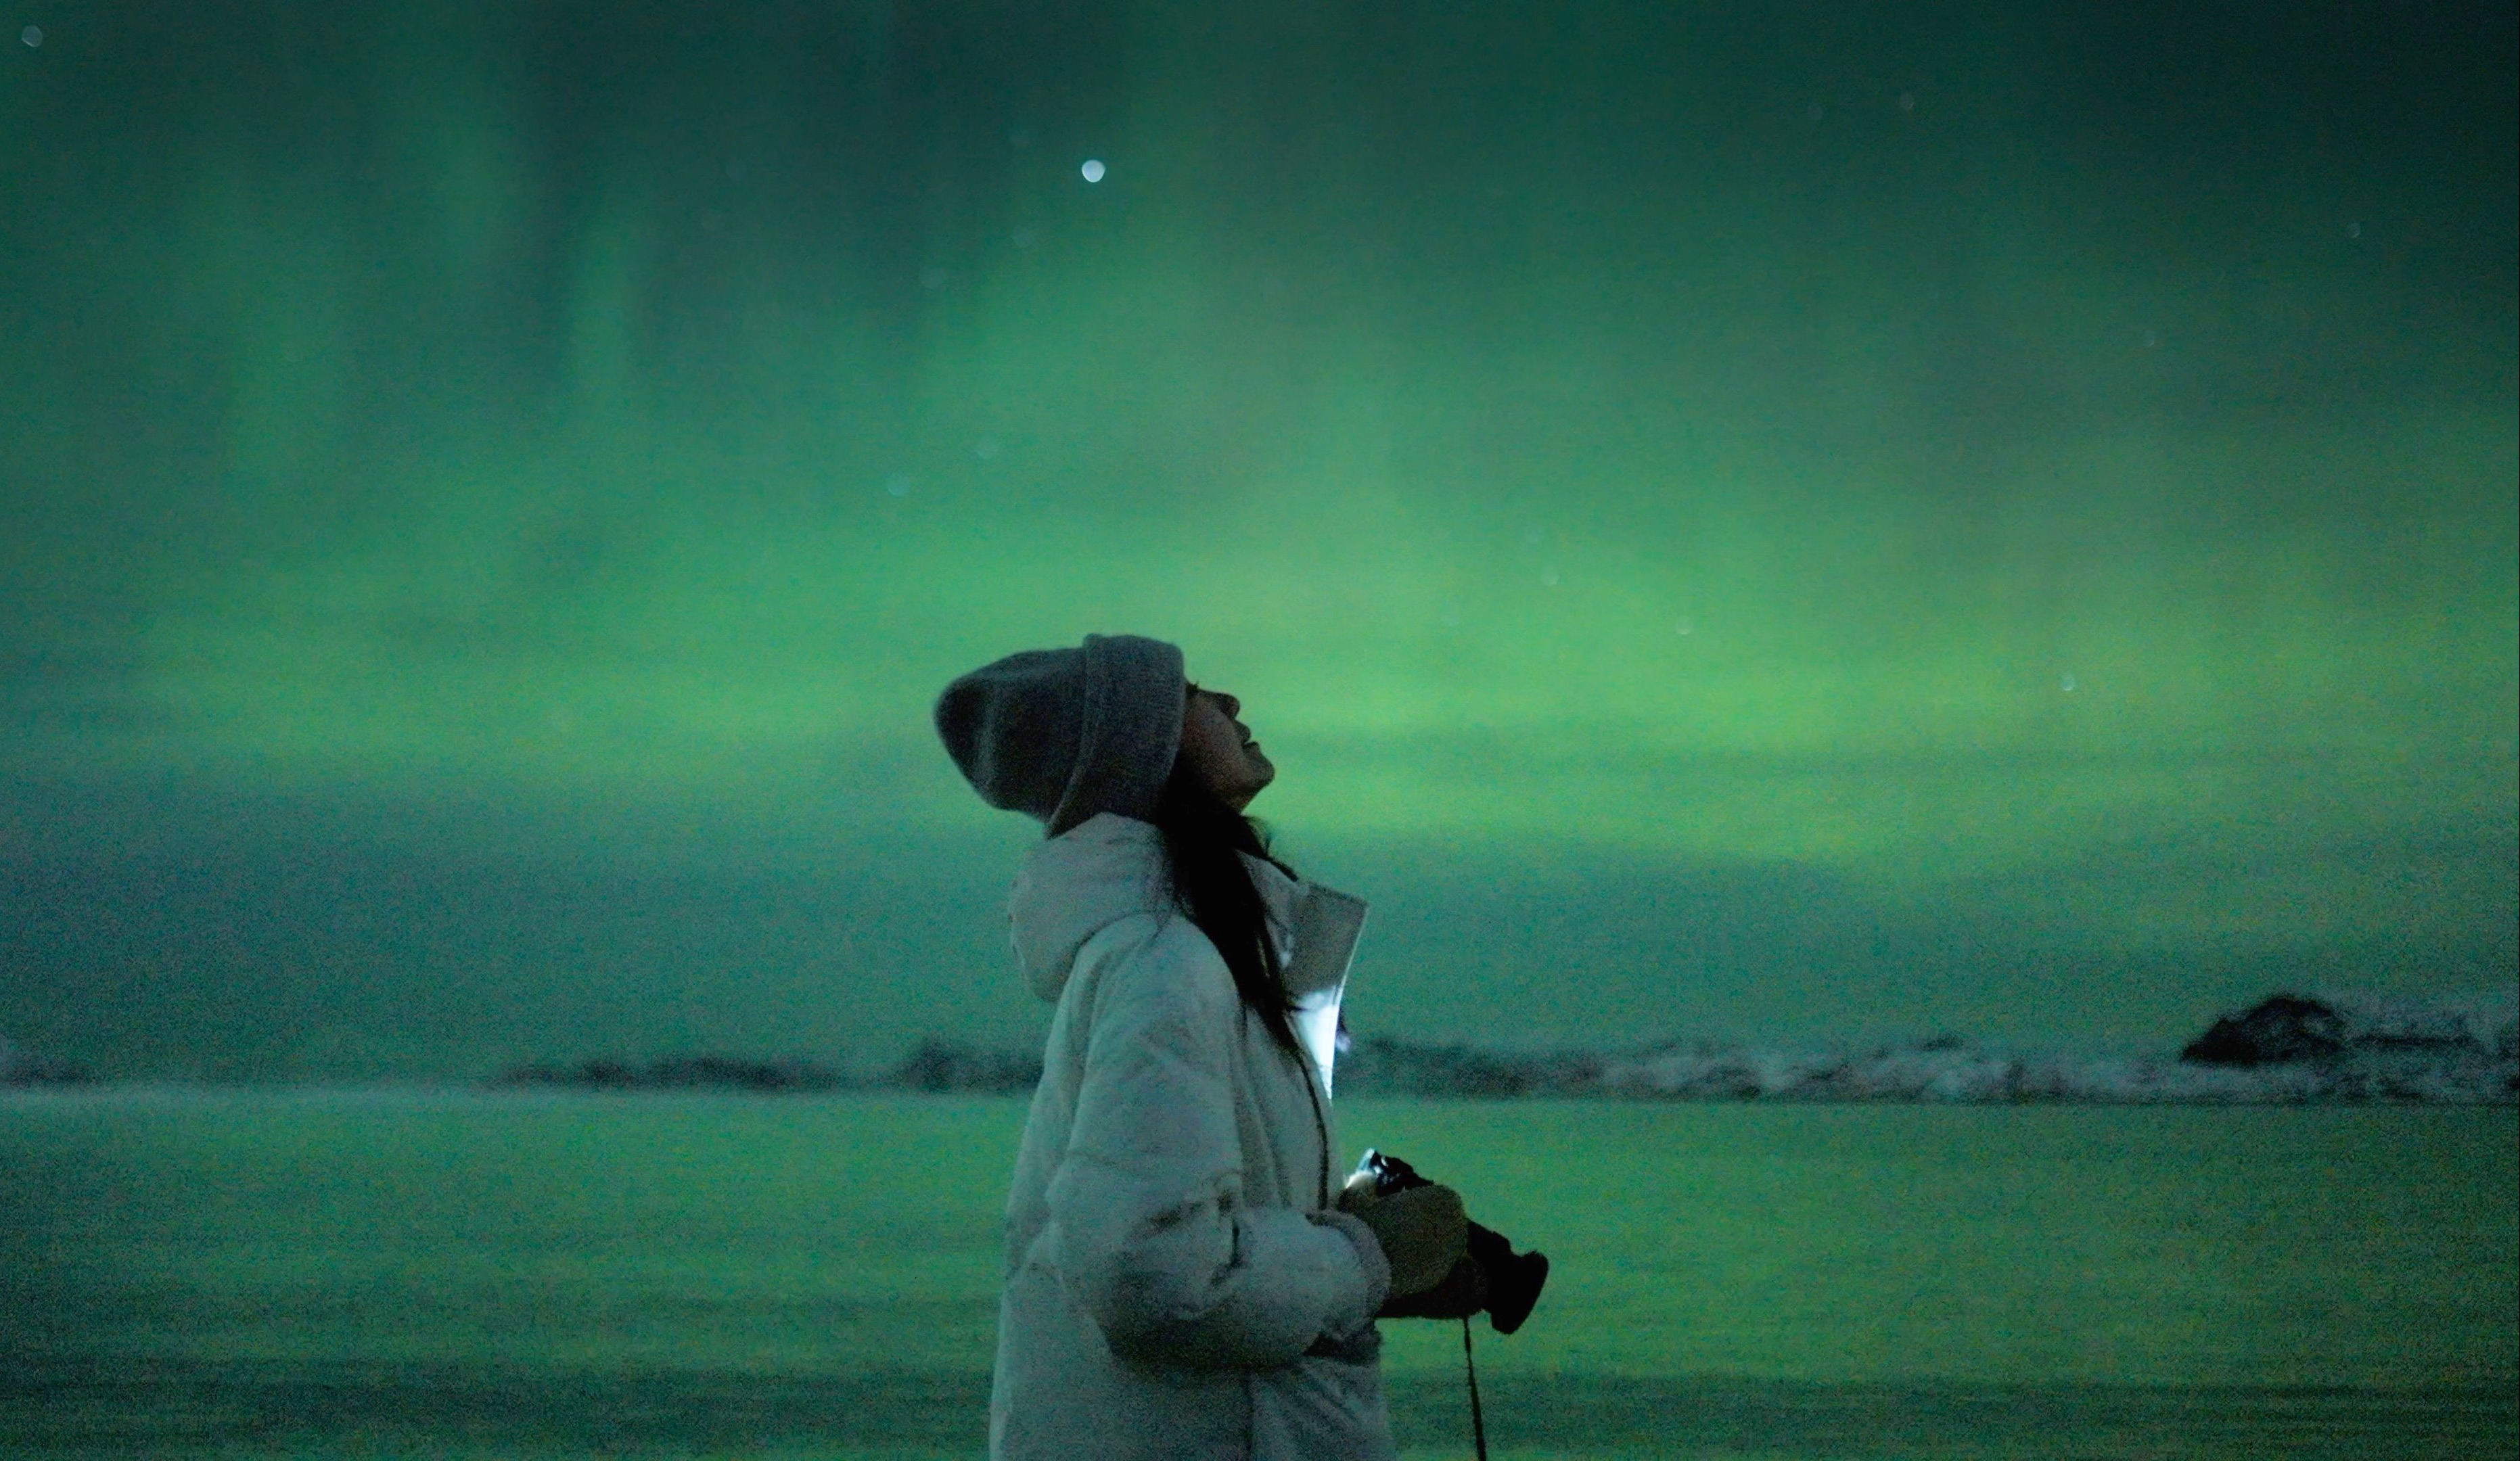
x=1257 y=783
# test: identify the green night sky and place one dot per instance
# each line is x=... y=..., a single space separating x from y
x=1803 y=520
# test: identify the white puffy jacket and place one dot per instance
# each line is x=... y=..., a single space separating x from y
x=1176 y=1285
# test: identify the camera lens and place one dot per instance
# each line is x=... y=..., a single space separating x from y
x=1514 y=1279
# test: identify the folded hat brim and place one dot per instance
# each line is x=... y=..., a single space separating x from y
x=1131 y=730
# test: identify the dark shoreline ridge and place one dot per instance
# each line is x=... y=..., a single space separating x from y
x=2286 y=1048
x=937 y=1067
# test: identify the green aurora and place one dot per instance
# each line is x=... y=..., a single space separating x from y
x=1800 y=518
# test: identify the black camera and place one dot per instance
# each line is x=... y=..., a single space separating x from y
x=1505 y=1283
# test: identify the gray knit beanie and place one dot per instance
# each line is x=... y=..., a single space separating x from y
x=1061 y=735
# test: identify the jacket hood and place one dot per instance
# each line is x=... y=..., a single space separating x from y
x=1076 y=884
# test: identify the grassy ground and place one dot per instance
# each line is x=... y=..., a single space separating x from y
x=314 y=1275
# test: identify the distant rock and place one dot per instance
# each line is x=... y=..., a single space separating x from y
x=2332 y=1029
x=2279 y=1031
x=21 y=1068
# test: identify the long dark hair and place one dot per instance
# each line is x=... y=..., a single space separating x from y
x=1203 y=843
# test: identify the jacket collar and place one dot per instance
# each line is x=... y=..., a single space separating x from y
x=1107 y=868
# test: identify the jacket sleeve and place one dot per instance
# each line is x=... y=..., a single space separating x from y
x=1152 y=1237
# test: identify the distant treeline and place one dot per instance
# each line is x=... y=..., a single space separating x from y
x=2286 y=1048
x=20 y=1067
x=937 y=1067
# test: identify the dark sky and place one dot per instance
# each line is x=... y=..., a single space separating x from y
x=1773 y=520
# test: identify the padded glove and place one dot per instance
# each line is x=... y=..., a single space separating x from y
x=1463 y=1293
x=1424 y=1233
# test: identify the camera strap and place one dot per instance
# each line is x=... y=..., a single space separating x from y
x=1470 y=1368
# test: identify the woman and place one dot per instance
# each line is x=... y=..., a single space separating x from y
x=1181 y=1278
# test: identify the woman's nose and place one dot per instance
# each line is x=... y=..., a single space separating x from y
x=1233 y=706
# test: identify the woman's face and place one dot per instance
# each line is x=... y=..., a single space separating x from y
x=1219 y=749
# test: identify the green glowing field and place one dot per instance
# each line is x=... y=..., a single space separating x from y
x=406 y=1276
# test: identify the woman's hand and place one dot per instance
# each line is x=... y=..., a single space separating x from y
x=1424 y=1233
x=1463 y=1293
